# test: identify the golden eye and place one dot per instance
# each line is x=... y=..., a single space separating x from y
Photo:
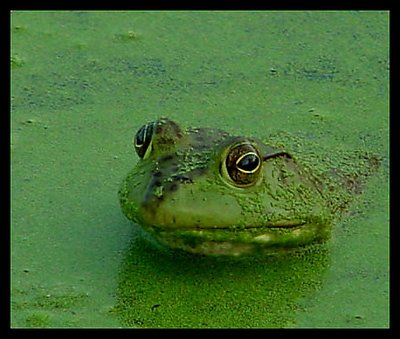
x=243 y=164
x=142 y=140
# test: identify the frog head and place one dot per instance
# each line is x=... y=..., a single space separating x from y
x=208 y=192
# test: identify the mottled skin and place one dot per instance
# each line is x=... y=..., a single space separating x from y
x=205 y=191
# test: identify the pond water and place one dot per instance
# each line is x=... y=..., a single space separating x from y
x=82 y=83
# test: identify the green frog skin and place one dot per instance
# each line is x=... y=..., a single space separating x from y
x=208 y=192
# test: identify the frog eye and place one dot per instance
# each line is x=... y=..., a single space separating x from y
x=243 y=164
x=142 y=140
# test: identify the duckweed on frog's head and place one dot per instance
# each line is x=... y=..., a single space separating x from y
x=205 y=191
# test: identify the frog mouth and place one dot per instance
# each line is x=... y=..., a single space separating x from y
x=270 y=226
x=282 y=224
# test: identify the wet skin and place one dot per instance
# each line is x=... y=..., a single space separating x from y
x=205 y=191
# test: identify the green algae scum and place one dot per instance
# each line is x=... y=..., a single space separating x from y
x=258 y=194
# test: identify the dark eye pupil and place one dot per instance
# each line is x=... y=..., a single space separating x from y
x=248 y=163
x=142 y=139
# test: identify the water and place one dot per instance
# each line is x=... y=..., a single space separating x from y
x=83 y=82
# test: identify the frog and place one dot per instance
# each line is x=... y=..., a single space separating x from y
x=208 y=192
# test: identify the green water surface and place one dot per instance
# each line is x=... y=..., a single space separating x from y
x=82 y=83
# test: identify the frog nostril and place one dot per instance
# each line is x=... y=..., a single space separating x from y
x=182 y=178
x=157 y=174
x=173 y=187
x=157 y=183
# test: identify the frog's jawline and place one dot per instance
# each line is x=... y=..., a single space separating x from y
x=275 y=226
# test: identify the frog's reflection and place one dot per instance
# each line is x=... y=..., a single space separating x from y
x=159 y=287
